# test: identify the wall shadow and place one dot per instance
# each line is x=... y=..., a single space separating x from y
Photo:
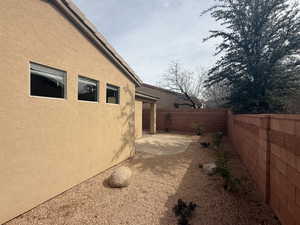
x=127 y=116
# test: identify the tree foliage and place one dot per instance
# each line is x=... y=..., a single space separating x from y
x=259 y=53
x=216 y=95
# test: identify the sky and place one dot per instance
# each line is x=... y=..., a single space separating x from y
x=149 y=34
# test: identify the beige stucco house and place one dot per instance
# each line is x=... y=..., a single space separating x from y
x=68 y=105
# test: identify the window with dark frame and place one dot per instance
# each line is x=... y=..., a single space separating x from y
x=88 y=89
x=47 y=82
x=112 y=94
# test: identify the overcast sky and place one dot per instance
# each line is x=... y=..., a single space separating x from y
x=149 y=34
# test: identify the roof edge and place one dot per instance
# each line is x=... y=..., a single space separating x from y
x=144 y=95
x=169 y=91
x=160 y=89
x=74 y=14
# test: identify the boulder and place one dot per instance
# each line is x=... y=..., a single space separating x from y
x=209 y=168
x=120 y=177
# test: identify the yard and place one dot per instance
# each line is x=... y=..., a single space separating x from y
x=165 y=168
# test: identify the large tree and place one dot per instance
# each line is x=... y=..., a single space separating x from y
x=216 y=96
x=259 y=53
x=185 y=82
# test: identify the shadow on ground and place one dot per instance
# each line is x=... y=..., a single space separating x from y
x=158 y=182
x=216 y=206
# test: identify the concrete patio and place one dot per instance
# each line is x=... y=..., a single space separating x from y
x=163 y=143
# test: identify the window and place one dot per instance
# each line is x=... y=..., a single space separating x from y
x=112 y=94
x=47 y=82
x=87 y=89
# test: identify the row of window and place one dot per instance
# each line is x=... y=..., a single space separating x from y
x=50 y=82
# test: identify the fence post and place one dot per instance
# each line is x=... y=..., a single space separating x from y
x=268 y=161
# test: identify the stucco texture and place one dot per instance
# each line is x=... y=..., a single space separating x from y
x=49 y=145
x=138 y=118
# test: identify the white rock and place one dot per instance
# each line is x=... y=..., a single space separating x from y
x=209 y=168
x=120 y=177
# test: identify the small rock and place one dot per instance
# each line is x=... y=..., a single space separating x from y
x=120 y=177
x=209 y=168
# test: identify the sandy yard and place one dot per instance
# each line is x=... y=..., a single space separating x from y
x=159 y=180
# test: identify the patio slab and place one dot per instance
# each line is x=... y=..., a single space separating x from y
x=163 y=143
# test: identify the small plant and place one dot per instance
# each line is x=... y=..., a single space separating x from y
x=231 y=183
x=205 y=144
x=221 y=163
x=217 y=139
x=200 y=130
x=184 y=211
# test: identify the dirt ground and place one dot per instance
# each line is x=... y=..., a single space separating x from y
x=158 y=182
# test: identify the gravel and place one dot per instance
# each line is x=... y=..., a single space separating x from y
x=158 y=182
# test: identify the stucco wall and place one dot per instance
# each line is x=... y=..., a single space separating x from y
x=138 y=118
x=49 y=145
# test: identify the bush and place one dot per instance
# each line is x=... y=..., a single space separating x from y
x=184 y=211
x=199 y=130
x=217 y=139
x=231 y=183
x=222 y=165
x=204 y=144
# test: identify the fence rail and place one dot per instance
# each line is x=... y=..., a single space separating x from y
x=269 y=146
x=186 y=120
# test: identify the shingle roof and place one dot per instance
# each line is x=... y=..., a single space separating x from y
x=144 y=85
x=145 y=95
x=73 y=13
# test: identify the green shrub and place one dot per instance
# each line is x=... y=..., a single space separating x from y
x=199 y=130
x=217 y=139
x=221 y=163
x=184 y=211
x=231 y=183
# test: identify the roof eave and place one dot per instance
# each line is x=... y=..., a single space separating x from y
x=144 y=95
x=86 y=27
